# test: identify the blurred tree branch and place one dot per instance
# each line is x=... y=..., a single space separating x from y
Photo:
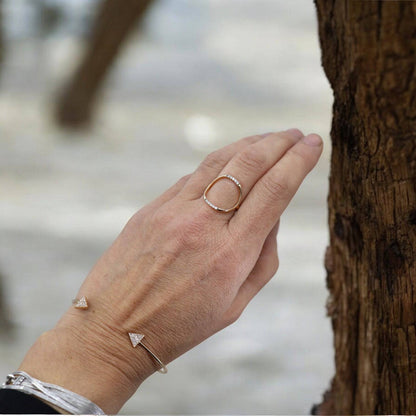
x=114 y=23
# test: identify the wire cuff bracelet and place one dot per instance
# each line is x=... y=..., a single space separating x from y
x=136 y=339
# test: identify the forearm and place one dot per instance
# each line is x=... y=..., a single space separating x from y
x=85 y=365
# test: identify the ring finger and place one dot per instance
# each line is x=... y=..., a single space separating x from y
x=213 y=164
x=247 y=167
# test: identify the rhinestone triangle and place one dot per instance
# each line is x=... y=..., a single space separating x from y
x=135 y=339
x=81 y=303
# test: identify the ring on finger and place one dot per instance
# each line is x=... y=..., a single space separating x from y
x=215 y=207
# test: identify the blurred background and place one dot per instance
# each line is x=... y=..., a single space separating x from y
x=103 y=105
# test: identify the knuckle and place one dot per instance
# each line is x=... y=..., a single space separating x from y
x=161 y=218
x=214 y=160
x=137 y=219
x=189 y=237
x=190 y=232
x=231 y=247
x=294 y=134
x=226 y=270
x=250 y=139
x=232 y=316
x=182 y=181
x=276 y=185
x=289 y=141
x=275 y=266
x=299 y=156
x=252 y=159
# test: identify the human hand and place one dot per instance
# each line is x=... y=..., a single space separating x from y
x=179 y=271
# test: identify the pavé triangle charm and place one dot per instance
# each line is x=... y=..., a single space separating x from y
x=80 y=303
x=135 y=339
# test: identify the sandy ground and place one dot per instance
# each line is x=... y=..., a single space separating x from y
x=200 y=75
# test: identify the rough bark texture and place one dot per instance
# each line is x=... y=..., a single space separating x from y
x=4 y=318
x=115 y=21
x=1 y=35
x=369 y=56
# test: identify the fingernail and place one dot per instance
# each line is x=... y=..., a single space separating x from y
x=312 y=140
x=265 y=134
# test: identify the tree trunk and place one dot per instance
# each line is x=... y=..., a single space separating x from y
x=115 y=21
x=4 y=318
x=1 y=35
x=369 y=56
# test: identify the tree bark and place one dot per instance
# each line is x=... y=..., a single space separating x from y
x=369 y=56
x=4 y=318
x=1 y=35
x=114 y=23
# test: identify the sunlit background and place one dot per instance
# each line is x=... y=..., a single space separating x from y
x=193 y=76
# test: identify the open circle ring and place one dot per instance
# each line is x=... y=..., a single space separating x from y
x=234 y=181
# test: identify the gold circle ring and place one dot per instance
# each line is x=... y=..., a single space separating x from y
x=235 y=182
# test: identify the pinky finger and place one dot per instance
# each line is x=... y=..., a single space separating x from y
x=265 y=268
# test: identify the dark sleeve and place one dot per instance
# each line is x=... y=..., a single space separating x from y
x=16 y=402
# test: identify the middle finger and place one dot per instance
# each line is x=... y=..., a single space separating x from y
x=248 y=165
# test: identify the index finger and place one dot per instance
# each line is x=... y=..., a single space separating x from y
x=272 y=193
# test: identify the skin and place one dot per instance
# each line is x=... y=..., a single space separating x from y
x=178 y=272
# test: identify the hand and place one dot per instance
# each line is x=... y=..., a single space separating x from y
x=179 y=271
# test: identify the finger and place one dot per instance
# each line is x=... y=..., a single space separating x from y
x=265 y=268
x=247 y=166
x=167 y=195
x=272 y=193
x=211 y=160
x=213 y=164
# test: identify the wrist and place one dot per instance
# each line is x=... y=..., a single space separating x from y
x=88 y=360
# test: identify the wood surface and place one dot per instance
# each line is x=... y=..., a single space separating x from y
x=369 y=56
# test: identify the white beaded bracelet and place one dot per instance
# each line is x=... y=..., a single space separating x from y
x=58 y=396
